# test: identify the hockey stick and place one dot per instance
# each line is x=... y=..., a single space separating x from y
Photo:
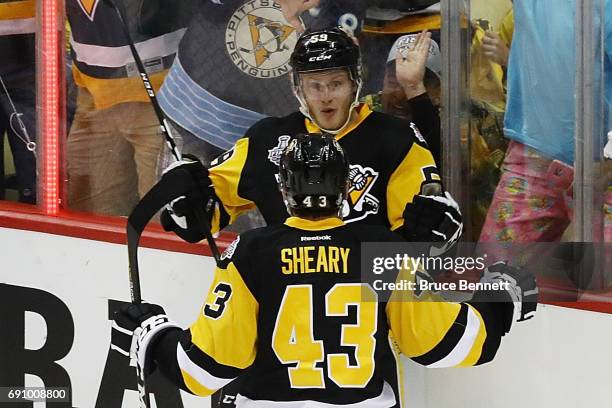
x=173 y=186
x=165 y=129
x=163 y=123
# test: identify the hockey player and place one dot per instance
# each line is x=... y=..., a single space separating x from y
x=242 y=71
x=394 y=179
x=301 y=326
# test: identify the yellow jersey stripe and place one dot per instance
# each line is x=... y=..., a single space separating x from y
x=363 y=111
x=310 y=225
x=465 y=344
x=196 y=373
x=476 y=351
x=418 y=334
x=194 y=386
x=226 y=180
x=109 y=92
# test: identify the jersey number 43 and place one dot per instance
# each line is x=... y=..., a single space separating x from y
x=294 y=342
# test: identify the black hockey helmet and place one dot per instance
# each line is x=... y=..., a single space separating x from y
x=330 y=48
x=321 y=50
x=313 y=175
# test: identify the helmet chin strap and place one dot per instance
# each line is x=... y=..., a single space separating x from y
x=306 y=112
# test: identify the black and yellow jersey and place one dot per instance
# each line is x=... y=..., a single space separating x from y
x=287 y=309
x=17 y=42
x=389 y=161
x=17 y=17
x=102 y=61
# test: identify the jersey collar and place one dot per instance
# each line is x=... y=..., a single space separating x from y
x=310 y=225
x=363 y=111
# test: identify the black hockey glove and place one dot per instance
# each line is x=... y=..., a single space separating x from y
x=182 y=215
x=433 y=218
x=518 y=294
x=135 y=326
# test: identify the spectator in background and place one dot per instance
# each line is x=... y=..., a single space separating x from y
x=411 y=89
x=533 y=201
x=411 y=86
x=488 y=62
x=496 y=44
x=114 y=142
x=18 y=92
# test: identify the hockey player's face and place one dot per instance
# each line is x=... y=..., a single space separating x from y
x=329 y=95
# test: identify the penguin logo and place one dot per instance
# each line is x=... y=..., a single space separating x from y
x=359 y=202
x=259 y=40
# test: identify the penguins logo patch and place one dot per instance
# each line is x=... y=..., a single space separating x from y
x=360 y=203
x=259 y=40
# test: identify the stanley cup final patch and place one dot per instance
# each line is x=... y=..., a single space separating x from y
x=274 y=154
x=259 y=40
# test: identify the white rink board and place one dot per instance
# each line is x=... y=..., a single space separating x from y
x=559 y=359
x=84 y=274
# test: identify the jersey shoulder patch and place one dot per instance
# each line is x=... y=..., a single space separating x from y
x=247 y=245
x=239 y=251
x=417 y=133
x=229 y=251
